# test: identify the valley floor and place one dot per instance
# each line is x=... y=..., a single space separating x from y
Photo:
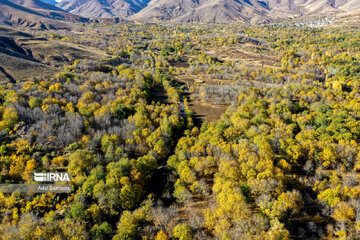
x=182 y=131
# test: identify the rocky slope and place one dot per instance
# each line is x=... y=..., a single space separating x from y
x=103 y=8
x=35 y=14
x=210 y=11
x=23 y=56
x=32 y=12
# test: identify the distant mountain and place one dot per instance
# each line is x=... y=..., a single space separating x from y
x=37 y=4
x=207 y=11
x=203 y=11
x=225 y=11
x=35 y=14
x=103 y=8
x=30 y=12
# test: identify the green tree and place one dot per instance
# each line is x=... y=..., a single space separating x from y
x=182 y=232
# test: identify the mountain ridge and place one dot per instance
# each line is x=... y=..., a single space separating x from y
x=45 y=15
x=207 y=11
x=103 y=8
x=35 y=14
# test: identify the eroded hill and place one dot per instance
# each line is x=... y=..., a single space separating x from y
x=23 y=56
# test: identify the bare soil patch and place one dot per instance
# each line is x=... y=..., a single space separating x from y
x=204 y=112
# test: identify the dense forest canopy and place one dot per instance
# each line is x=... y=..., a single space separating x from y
x=282 y=162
